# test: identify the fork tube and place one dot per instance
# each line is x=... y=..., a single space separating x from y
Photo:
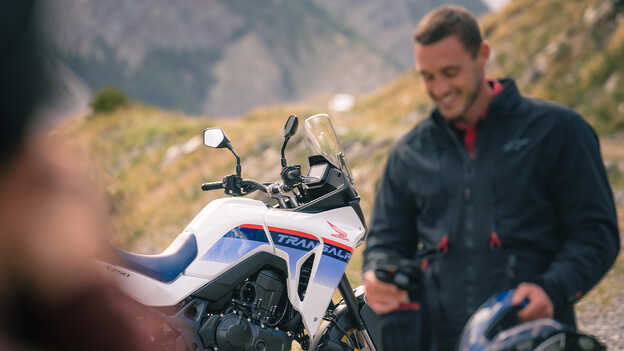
x=363 y=338
x=351 y=301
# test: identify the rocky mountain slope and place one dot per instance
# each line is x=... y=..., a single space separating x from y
x=222 y=57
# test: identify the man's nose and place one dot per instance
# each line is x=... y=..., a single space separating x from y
x=440 y=88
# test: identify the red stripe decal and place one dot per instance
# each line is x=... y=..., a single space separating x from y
x=342 y=246
x=293 y=232
x=251 y=226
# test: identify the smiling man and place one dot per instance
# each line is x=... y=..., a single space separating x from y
x=510 y=192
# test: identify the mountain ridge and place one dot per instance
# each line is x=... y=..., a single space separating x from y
x=190 y=55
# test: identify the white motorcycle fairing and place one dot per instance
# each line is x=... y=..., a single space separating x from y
x=230 y=230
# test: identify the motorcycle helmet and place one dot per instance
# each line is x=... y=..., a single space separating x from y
x=495 y=327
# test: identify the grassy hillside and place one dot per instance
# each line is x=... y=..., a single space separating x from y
x=150 y=163
x=570 y=51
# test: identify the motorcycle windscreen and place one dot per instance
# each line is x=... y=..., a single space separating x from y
x=321 y=139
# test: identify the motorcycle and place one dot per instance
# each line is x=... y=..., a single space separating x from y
x=257 y=275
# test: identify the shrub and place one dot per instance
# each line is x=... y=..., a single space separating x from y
x=108 y=100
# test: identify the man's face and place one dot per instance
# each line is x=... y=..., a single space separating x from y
x=452 y=76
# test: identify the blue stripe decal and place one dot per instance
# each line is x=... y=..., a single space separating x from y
x=247 y=234
x=235 y=244
x=330 y=271
x=332 y=265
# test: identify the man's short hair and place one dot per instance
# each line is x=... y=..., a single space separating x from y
x=446 y=21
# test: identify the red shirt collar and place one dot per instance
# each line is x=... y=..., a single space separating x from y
x=497 y=88
x=470 y=130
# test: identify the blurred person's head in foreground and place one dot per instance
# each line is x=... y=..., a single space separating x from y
x=51 y=296
x=23 y=77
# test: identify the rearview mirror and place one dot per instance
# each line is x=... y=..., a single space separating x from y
x=289 y=130
x=215 y=137
x=291 y=126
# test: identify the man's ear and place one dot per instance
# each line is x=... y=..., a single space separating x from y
x=483 y=55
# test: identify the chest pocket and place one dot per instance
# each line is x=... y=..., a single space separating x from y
x=513 y=171
x=431 y=196
x=515 y=177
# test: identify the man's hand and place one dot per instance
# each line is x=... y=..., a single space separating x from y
x=383 y=297
x=539 y=305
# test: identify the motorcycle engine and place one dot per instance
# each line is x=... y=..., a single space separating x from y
x=252 y=323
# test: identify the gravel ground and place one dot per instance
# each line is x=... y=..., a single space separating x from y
x=604 y=321
x=601 y=312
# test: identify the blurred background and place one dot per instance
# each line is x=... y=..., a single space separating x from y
x=141 y=79
x=222 y=57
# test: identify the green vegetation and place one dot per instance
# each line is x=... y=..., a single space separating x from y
x=569 y=51
x=108 y=100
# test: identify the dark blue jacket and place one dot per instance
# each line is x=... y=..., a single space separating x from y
x=533 y=205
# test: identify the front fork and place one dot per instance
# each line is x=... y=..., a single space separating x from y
x=363 y=337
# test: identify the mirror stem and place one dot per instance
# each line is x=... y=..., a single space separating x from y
x=283 y=150
x=238 y=164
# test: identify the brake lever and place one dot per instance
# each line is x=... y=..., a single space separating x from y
x=233 y=185
x=279 y=192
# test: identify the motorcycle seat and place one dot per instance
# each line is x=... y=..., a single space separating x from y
x=164 y=267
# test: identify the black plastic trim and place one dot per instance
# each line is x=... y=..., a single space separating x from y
x=304 y=276
x=224 y=283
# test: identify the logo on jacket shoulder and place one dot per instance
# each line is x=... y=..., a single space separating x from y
x=516 y=144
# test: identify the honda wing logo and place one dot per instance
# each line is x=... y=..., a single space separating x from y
x=339 y=233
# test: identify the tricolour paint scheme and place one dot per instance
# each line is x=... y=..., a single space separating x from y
x=229 y=230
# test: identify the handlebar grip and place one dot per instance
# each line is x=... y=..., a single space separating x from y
x=212 y=186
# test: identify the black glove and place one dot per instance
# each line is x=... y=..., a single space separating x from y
x=409 y=327
x=405 y=274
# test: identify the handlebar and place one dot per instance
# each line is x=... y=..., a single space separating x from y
x=212 y=186
x=255 y=185
x=235 y=185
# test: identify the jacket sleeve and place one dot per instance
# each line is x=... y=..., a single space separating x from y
x=392 y=228
x=584 y=204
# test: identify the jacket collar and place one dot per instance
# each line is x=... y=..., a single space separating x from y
x=502 y=104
